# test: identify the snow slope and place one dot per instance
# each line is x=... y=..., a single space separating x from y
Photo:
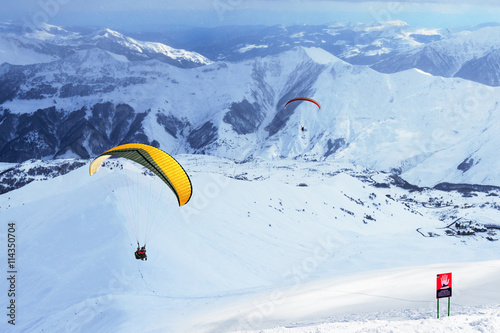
x=13 y=51
x=320 y=244
x=377 y=301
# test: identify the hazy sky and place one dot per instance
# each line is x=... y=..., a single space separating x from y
x=155 y=14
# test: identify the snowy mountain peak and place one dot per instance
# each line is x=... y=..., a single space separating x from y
x=48 y=42
x=397 y=23
x=110 y=33
x=47 y=33
x=385 y=25
x=118 y=43
x=320 y=56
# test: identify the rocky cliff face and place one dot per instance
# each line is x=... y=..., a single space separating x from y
x=50 y=133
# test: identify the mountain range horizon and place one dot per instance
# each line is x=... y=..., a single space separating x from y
x=394 y=98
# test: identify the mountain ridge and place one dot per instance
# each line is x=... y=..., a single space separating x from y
x=403 y=122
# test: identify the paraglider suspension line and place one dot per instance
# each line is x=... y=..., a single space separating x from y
x=147 y=285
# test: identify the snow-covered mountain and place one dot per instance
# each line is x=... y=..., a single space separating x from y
x=467 y=54
x=48 y=43
x=429 y=129
x=356 y=43
x=22 y=47
x=134 y=50
x=388 y=47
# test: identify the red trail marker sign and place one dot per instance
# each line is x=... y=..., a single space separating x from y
x=443 y=284
x=443 y=289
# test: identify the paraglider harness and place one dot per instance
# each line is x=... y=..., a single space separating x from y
x=141 y=253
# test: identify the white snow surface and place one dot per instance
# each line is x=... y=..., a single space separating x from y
x=249 y=47
x=153 y=47
x=276 y=246
x=28 y=48
x=12 y=51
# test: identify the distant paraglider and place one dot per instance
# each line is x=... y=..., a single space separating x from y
x=303 y=99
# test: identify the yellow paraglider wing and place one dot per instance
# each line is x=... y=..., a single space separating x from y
x=156 y=160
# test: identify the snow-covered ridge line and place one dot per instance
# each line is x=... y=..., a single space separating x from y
x=50 y=43
x=14 y=176
x=45 y=169
x=145 y=47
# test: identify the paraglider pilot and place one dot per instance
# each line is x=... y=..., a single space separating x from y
x=141 y=253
